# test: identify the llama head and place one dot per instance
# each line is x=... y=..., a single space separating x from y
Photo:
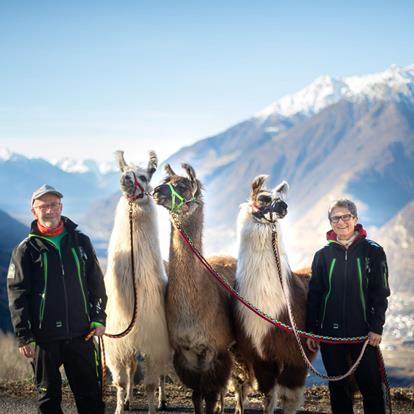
x=179 y=194
x=267 y=206
x=135 y=180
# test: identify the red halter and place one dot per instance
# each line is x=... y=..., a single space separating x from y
x=136 y=185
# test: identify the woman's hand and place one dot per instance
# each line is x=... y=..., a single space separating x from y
x=312 y=345
x=374 y=339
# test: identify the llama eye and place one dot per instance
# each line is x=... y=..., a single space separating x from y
x=143 y=178
x=264 y=199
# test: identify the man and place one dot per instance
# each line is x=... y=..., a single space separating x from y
x=347 y=297
x=56 y=296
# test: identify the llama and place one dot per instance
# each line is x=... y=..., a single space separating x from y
x=197 y=308
x=272 y=355
x=149 y=336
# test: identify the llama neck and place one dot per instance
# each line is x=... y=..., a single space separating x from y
x=183 y=263
x=255 y=241
x=144 y=231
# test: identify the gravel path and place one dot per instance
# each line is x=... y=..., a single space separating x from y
x=10 y=405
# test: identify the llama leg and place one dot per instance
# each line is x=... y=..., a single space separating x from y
x=120 y=381
x=291 y=399
x=196 y=397
x=266 y=373
x=150 y=391
x=162 y=400
x=150 y=380
x=219 y=405
x=215 y=402
x=241 y=392
x=270 y=401
x=131 y=368
x=291 y=388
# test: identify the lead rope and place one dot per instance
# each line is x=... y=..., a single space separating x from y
x=135 y=311
x=386 y=384
x=295 y=329
x=225 y=284
x=134 y=282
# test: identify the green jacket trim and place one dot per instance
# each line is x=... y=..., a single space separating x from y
x=331 y=268
x=361 y=290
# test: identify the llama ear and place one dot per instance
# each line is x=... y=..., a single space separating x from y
x=119 y=156
x=190 y=172
x=152 y=163
x=282 y=189
x=257 y=184
x=169 y=170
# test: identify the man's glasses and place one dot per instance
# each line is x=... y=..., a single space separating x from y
x=344 y=217
x=44 y=207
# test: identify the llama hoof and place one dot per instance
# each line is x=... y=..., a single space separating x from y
x=162 y=406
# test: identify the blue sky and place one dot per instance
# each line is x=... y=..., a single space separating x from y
x=84 y=78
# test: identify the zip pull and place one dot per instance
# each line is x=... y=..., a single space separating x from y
x=346 y=255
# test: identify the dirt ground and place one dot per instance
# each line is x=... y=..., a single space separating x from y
x=179 y=399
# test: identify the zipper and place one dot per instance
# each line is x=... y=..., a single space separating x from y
x=77 y=262
x=331 y=268
x=361 y=292
x=43 y=297
x=65 y=293
x=344 y=295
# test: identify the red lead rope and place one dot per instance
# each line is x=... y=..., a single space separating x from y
x=255 y=310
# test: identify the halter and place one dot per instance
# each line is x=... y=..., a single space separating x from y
x=259 y=213
x=174 y=196
x=136 y=185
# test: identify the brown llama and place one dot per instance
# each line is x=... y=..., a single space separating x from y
x=271 y=355
x=197 y=308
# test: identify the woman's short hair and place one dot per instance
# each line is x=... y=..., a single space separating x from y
x=345 y=203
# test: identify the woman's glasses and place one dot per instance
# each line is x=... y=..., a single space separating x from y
x=344 y=217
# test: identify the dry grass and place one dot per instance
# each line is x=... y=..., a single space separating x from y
x=13 y=366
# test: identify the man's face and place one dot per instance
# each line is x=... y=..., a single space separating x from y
x=48 y=210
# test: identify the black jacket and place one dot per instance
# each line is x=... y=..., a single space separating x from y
x=55 y=294
x=348 y=289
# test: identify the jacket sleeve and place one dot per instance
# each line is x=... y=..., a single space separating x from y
x=95 y=283
x=19 y=288
x=315 y=294
x=378 y=289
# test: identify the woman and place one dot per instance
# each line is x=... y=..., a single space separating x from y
x=347 y=297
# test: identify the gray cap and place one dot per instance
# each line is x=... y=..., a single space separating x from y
x=45 y=189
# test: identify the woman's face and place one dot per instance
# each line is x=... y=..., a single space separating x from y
x=343 y=222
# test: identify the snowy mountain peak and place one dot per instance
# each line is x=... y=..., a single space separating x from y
x=5 y=154
x=81 y=166
x=326 y=90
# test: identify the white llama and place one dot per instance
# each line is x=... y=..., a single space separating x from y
x=272 y=355
x=149 y=336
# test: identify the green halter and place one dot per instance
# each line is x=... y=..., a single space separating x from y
x=174 y=196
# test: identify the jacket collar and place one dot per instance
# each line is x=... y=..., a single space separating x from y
x=361 y=233
x=70 y=226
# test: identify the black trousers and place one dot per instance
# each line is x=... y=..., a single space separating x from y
x=336 y=359
x=81 y=362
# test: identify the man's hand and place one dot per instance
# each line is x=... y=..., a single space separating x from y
x=27 y=350
x=313 y=345
x=374 y=339
x=99 y=330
